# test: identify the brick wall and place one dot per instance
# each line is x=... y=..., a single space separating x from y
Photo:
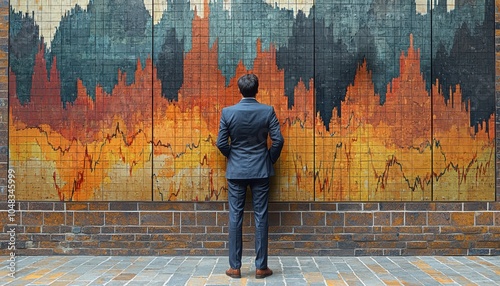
x=151 y=228
x=4 y=96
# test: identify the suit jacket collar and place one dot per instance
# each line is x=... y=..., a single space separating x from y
x=248 y=100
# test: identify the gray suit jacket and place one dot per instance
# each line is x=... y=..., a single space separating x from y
x=243 y=132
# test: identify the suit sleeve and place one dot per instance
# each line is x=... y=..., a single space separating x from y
x=223 y=137
x=277 y=139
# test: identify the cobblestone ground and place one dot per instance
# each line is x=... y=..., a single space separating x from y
x=288 y=270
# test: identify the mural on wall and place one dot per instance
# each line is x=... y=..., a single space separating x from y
x=378 y=100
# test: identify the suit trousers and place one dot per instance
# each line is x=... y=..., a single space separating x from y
x=260 y=199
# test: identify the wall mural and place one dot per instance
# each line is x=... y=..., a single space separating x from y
x=378 y=100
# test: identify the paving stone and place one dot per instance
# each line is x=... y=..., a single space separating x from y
x=178 y=279
x=209 y=271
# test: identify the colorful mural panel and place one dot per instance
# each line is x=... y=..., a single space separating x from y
x=378 y=100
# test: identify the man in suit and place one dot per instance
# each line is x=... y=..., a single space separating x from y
x=243 y=134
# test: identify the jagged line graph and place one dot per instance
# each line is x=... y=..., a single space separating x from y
x=358 y=156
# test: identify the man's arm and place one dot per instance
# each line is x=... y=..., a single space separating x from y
x=223 y=137
x=277 y=139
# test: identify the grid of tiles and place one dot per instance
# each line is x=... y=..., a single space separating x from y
x=123 y=104
x=178 y=270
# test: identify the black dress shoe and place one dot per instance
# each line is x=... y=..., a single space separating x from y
x=263 y=273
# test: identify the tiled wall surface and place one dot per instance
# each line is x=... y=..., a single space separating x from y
x=188 y=228
x=106 y=108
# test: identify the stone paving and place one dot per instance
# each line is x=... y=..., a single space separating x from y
x=288 y=270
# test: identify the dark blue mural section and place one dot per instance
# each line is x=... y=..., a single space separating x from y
x=325 y=43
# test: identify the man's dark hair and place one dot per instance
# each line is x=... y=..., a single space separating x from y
x=249 y=85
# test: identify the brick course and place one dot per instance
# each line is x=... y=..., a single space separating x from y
x=201 y=229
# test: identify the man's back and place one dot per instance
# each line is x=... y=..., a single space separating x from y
x=248 y=125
